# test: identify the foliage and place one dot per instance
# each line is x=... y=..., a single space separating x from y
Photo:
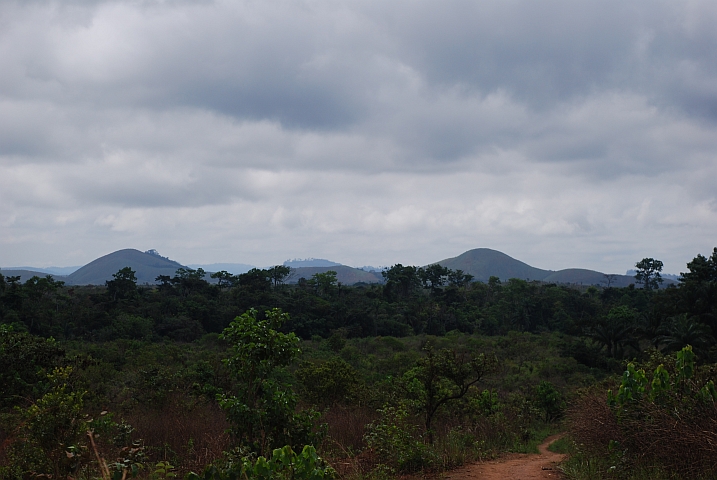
x=443 y=376
x=24 y=361
x=550 y=401
x=124 y=284
x=648 y=273
x=328 y=383
x=663 y=414
x=616 y=331
x=284 y=463
x=153 y=354
x=396 y=442
x=262 y=410
x=50 y=430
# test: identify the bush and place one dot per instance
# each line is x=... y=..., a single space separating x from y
x=283 y=464
x=395 y=441
x=664 y=418
x=262 y=410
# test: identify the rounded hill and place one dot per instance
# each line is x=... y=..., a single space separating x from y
x=147 y=267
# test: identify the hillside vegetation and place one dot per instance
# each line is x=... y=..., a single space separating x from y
x=253 y=377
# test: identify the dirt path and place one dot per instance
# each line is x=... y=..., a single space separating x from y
x=517 y=466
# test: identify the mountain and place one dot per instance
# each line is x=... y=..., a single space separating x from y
x=26 y=275
x=148 y=266
x=483 y=263
x=588 y=277
x=345 y=275
x=233 y=268
x=54 y=271
x=310 y=262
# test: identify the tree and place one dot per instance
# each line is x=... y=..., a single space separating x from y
x=24 y=362
x=433 y=277
x=328 y=383
x=458 y=278
x=616 y=331
x=224 y=278
x=442 y=376
x=262 y=410
x=53 y=426
x=189 y=280
x=549 y=400
x=124 y=285
x=701 y=269
x=648 y=273
x=401 y=282
x=279 y=274
x=683 y=330
x=323 y=283
x=610 y=278
x=698 y=290
x=255 y=280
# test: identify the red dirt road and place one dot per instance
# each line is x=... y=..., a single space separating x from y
x=516 y=466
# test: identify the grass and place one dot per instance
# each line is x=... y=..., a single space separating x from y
x=564 y=445
x=536 y=437
x=583 y=467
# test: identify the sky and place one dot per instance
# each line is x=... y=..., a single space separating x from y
x=562 y=133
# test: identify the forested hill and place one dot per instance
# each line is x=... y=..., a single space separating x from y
x=484 y=263
x=481 y=263
x=345 y=275
x=147 y=267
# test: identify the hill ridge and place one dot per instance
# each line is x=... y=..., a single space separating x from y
x=482 y=263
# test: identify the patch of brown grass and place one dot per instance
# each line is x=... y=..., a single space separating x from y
x=649 y=434
x=344 y=446
x=188 y=434
x=593 y=423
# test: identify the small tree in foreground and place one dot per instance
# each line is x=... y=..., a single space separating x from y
x=262 y=410
x=442 y=376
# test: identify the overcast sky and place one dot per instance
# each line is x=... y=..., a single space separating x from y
x=563 y=133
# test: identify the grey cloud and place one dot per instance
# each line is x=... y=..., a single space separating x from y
x=372 y=131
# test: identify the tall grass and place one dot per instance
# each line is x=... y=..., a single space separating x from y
x=188 y=434
x=646 y=442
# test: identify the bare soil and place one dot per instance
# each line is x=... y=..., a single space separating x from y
x=517 y=466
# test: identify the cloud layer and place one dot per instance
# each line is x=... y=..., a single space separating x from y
x=564 y=134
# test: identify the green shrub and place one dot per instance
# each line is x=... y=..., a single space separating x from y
x=284 y=464
x=262 y=410
x=329 y=382
x=396 y=443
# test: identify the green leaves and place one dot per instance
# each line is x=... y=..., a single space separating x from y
x=442 y=376
x=660 y=384
x=663 y=386
x=549 y=400
x=685 y=364
x=648 y=273
x=258 y=347
x=262 y=409
x=283 y=464
x=395 y=441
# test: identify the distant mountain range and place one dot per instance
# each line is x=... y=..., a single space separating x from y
x=233 y=268
x=345 y=275
x=482 y=263
x=310 y=262
x=47 y=270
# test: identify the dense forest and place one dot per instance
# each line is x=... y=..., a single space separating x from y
x=253 y=377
